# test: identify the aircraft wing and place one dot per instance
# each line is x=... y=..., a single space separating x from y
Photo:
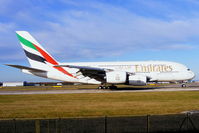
x=26 y=68
x=87 y=68
x=92 y=72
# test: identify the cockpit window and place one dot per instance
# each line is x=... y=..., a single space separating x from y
x=188 y=69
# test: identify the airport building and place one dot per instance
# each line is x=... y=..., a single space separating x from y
x=12 y=84
x=4 y=84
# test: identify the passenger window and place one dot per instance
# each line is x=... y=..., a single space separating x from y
x=188 y=69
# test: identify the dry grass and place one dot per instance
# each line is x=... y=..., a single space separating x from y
x=99 y=104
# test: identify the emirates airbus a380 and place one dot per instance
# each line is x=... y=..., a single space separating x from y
x=102 y=73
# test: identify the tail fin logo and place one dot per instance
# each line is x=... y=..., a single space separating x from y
x=43 y=57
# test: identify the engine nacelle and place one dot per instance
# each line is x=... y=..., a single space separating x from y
x=116 y=77
x=138 y=80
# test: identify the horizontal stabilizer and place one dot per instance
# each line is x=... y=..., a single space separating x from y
x=25 y=68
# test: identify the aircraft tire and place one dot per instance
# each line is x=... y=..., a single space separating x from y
x=100 y=87
x=104 y=87
x=183 y=85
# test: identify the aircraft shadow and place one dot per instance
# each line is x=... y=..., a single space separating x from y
x=134 y=88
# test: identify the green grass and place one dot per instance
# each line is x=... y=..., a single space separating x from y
x=99 y=104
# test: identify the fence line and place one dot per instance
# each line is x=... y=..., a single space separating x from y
x=129 y=124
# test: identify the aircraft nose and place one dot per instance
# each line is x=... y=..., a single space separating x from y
x=191 y=75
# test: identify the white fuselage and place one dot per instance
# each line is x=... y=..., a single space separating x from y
x=159 y=71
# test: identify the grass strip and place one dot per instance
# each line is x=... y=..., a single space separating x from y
x=98 y=104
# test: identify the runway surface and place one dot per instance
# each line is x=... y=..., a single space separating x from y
x=27 y=92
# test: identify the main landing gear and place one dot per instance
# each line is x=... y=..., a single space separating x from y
x=104 y=87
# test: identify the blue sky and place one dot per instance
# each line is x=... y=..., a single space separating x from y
x=100 y=30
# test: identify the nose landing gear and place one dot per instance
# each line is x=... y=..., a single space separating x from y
x=183 y=85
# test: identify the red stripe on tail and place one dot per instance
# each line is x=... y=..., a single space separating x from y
x=52 y=61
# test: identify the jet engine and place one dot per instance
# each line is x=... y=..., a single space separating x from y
x=139 y=80
x=116 y=77
x=120 y=77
